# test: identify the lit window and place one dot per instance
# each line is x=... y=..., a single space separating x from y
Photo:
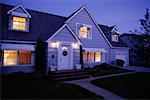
x=97 y=57
x=84 y=31
x=19 y=23
x=10 y=57
x=91 y=57
x=115 y=38
x=24 y=57
x=85 y=59
x=15 y=57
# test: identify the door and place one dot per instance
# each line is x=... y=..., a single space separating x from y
x=64 y=57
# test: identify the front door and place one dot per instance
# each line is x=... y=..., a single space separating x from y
x=64 y=57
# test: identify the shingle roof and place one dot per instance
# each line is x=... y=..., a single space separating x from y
x=42 y=25
x=107 y=31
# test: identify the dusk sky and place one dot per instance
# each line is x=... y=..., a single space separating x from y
x=123 y=13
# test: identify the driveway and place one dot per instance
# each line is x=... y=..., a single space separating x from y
x=137 y=68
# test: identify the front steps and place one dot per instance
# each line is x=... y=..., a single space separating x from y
x=69 y=75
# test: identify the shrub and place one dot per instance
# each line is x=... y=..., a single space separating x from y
x=103 y=66
x=120 y=62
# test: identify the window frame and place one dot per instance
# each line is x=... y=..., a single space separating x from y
x=78 y=30
x=10 y=24
x=18 y=59
x=88 y=61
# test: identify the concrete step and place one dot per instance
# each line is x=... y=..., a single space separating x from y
x=69 y=75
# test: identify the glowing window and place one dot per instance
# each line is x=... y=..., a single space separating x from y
x=84 y=32
x=10 y=57
x=24 y=57
x=85 y=56
x=97 y=57
x=91 y=57
x=19 y=23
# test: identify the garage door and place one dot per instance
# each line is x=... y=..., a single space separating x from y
x=122 y=56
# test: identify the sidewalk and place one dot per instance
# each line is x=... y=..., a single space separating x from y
x=85 y=83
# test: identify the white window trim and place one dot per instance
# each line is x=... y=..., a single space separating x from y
x=88 y=62
x=11 y=24
x=87 y=25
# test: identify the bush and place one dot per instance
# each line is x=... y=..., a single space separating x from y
x=103 y=66
x=120 y=62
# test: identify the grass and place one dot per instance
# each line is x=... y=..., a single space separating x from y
x=101 y=70
x=132 y=86
x=42 y=89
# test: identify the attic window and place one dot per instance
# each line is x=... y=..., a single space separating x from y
x=115 y=37
x=19 y=23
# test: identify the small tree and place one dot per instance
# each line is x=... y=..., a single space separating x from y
x=40 y=57
x=81 y=57
x=142 y=41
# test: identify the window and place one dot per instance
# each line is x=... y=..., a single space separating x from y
x=25 y=57
x=19 y=23
x=98 y=57
x=10 y=57
x=92 y=57
x=85 y=57
x=15 y=57
x=84 y=31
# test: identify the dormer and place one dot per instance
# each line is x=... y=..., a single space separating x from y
x=19 y=19
x=114 y=37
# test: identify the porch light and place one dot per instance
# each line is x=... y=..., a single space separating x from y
x=55 y=44
x=75 y=45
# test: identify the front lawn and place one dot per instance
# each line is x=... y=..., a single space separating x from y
x=132 y=86
x=43 y=89
x=105 y=69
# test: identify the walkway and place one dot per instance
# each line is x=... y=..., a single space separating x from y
x=137 y=68
x=85 y=83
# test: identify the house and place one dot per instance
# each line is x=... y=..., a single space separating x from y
x=21 y=28
x=128 y=39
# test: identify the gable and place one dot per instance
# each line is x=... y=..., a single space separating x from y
x=64 y=34
x=19 y=10
x=98 y=38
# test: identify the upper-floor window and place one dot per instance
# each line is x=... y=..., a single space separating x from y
x=19 y=23
x=115 y=37
x=84 y=31
x=19 y=19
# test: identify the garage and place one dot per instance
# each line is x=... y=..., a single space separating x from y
x=122 y=56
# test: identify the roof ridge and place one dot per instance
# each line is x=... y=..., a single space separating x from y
x=34 y=10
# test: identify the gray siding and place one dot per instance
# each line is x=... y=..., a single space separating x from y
x=64 y=35
x=52 y=61
x=97 y=40
x=76 y=56
x=19 y=10
x=9 y=70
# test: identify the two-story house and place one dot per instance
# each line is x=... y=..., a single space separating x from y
x=21 y=28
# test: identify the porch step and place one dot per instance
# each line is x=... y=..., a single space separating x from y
x=69 y=75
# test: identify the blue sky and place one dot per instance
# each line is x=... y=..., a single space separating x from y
x=123 y=13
